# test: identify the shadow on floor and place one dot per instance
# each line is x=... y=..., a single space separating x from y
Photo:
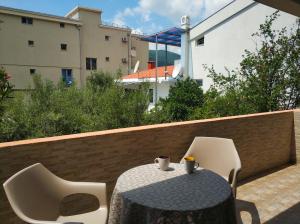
x=248 y=211
x=262 y=174
x=289 y=216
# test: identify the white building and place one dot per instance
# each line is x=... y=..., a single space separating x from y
x=220 y=40
x=164 y=81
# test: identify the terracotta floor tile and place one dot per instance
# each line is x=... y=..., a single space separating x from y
x=271 y=199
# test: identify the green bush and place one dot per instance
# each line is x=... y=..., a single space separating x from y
x=184 y=98
x=5 y=88
x=51 y=110
x=268 y=79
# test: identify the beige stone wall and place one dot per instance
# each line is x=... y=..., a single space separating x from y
x=84 y=39
x=297 y=134
x=22 y=79
x=45 y=56
x=142 y=52
x=263 y=142
x=94 y=32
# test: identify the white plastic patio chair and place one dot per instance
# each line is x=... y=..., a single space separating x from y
x=35 y=194
x=218 y=155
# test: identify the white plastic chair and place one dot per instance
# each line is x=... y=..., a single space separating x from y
x=35 y=194
x=218 y=155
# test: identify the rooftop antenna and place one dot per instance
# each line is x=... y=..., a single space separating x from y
x=177 y=70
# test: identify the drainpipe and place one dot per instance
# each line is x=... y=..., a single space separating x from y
x=185 y=24
x=156 y=64
x=129 y=53
x=80 y=59
x=166 y=58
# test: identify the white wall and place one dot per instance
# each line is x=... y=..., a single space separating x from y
x=162 y=91
x=225 y=42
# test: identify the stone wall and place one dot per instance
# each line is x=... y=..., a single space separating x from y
x=264 y=141
x=297 y=134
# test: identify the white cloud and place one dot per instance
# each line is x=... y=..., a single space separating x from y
x=119 y=19
x=137 y=31
x=172 y=10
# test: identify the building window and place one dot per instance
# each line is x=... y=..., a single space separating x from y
x=107 y=59
x=62 y=25
x=91 y=63
x=151 y=95
x=199 y=82
x=124 y=60
x=30 y=43
x=63 y=47
x=32 y=71
x=67 y=76
x=200 y=41
x=27 y=20
x=107 y=38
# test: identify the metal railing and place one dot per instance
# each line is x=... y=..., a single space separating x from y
x=115 y=25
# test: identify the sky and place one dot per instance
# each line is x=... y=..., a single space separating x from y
x=143 y=16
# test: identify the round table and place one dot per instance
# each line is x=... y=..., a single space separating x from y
x=146 y=194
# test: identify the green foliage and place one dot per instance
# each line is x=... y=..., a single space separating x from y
x=268 y=78
x=50 y=109
x=5 y=88
x=100 y=80
x=271 y=74
x=184 y=97
x=225 y=97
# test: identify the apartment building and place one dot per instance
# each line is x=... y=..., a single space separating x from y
x=68 y=47
x=221 y=39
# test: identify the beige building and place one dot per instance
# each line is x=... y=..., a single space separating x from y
x=69 y=47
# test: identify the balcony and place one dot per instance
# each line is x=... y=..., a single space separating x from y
x=268 y=145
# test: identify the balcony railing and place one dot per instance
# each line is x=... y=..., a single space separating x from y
x=264 y=142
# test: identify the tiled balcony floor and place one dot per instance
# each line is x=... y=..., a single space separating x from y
x=274 y=198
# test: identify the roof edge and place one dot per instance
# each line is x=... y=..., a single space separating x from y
x=225 y=6
x=77 y=8
x=224 y=14
x=37 y=15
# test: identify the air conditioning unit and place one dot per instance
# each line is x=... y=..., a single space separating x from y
x=185 y=22
x=124 y=60
x=133 y=52
x=124 y=39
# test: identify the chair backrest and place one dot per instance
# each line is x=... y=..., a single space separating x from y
x=216 y=154
x=33 y=193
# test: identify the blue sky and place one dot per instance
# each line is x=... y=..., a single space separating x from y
x=146 y=16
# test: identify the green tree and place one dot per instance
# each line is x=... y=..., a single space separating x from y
x=5 y=88
x=184 y=97
x=50 y=109
x=100 y=80
x=112 y=105
x=272 y=72
x=225 y=97
x=268 y=78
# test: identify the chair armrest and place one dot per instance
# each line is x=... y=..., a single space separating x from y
x=42 y=222
x=234 y=180
x=73 y=223
x=96 y=189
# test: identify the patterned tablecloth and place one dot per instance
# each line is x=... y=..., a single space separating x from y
x=145 y=194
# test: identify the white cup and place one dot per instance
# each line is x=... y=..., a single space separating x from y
x=163 y=162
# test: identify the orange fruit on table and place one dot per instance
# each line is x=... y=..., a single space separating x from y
x=190 y=158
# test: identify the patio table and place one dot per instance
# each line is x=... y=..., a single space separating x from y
x=146 y=194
